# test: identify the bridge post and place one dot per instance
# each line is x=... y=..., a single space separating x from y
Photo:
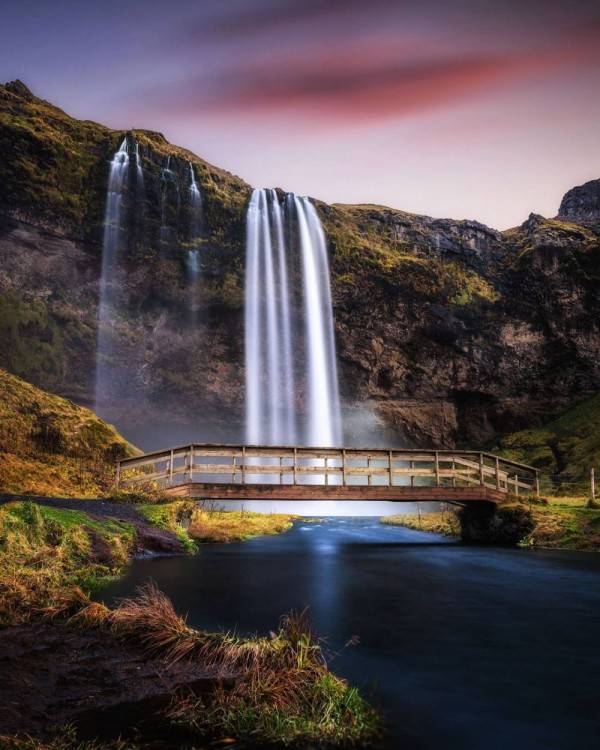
x=497 y=473
x=295 y=464
x=118 y=477
x=344 y=466
x=191 y=463
x=412 y=476
x=481 y=477
x=437 y=468
x=537 y=483
x=243 y=464
x=171 y=462
x=390 y=469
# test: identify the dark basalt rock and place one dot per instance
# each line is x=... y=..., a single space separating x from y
x=484 y=523
x=582 y=204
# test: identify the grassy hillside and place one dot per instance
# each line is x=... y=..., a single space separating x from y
x=51 y=446
x=564 y=449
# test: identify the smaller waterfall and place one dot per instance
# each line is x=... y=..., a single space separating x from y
x=111 y=245
x=195 y=207
x=138 y=165
x=192 y=259
x=169 y=202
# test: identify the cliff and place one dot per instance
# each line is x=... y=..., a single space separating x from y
x=50 y=446
x=448 y=332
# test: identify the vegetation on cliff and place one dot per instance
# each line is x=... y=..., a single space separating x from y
x=51 y=446
x=564 y=449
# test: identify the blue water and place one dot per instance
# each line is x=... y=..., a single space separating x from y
x=460 y=647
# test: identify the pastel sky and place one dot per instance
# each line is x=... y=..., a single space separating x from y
x=468 y=109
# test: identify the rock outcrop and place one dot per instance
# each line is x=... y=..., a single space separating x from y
x=448 y=332
x=582 y=204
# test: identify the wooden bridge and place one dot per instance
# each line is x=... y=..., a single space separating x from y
x=237 y=472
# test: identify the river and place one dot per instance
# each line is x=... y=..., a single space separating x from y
x=460 y=647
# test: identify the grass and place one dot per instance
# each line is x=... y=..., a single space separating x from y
x=283 y=691
x=172 y=516
x=565 y=448
x=193 y=524
x=66 y=739
x=279 y=688
x=48 y=555
x=564 y=522
x=50 y=446
x=235 y=526
x=445 y=522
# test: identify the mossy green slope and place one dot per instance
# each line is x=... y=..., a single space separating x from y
x=564 y=449
x=46 y=551
x=51 y=446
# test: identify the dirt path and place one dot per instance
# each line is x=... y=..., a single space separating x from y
x=54 y=674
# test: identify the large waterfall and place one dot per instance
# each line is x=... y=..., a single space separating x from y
x=282 y=288
x=117 y=185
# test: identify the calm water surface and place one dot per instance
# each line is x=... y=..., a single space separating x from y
x=460 y=647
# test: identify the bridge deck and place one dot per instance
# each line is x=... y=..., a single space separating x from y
x=406 y=494
x=222 y=472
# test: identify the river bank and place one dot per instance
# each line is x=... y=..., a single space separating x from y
x=71 y=660
x=434 y=625
x=557 y=523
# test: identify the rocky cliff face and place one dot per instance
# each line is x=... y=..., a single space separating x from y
x=582 y=204
x=448 y=332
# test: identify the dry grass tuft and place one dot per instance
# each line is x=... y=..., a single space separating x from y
x=235 y=526
x=150 y=618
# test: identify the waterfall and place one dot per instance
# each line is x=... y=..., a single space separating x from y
x=271 y=297
x=138 y=166
x=117 y=184
x=193 y=254
x=324 y=421
x=169 y=203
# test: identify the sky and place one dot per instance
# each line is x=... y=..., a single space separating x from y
x=467 y=109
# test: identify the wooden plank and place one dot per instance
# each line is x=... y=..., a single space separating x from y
x=145 y=478
x=338 y=492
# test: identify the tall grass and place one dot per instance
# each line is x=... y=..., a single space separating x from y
x=49 y=558
x=281 y=689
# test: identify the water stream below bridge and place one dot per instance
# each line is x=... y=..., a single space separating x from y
x=460 y=647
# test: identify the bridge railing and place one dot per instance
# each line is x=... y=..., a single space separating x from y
x=233 y=464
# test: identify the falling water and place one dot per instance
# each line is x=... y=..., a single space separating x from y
x=169 y=186
x=195 y=198
x=117 y=183
x=270 y=298
x=138 y=166
x=324 y=421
